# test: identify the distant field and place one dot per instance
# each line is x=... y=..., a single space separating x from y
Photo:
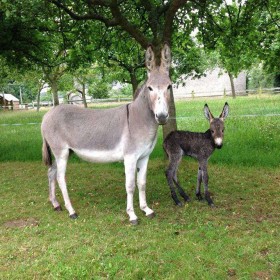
x=239 y=239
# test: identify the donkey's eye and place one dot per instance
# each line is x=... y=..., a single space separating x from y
x=212 y=131
x=169 y=87
x=150 y=88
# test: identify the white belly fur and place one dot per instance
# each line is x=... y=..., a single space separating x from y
x=117 y=154
x=100 y=156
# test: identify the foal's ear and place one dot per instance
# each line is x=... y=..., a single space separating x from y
x=150 y=59
x=207 y=113
x=225 y=111
x=165 y=57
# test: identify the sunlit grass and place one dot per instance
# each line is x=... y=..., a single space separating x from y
x=240 y=237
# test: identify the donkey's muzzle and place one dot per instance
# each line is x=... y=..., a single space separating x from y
x=219 y=146
x=162 y=118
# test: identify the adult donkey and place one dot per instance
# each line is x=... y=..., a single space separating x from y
x=127 y=133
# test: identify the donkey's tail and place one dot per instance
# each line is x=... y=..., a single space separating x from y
x=46 y=153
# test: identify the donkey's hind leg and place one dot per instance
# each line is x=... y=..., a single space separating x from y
x=61 y=163
x=52 y=184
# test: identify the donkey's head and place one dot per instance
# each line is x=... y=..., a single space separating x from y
x=217 y=124
x=158 y=83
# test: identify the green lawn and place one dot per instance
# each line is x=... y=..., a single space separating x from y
x=239 y=239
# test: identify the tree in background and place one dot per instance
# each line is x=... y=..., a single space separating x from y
x=233 y=32
x=26 y=84
x=39 y=35
x=269 y=26
x=258 y=77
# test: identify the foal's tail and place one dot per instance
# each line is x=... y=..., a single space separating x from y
x=46 y=153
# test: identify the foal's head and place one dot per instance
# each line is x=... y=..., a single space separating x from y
x=217 y=124
x=159 y=83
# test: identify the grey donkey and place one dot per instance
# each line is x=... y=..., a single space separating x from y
x=196 y=145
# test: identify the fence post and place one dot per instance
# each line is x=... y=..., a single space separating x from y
x=192 y=93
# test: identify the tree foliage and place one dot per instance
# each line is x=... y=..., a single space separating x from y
x=63 y=36
x=236 y=32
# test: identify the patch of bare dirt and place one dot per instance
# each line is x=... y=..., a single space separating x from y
x=262 y=275
x=22 y=223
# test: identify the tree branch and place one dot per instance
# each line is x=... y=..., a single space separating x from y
x=127 y=26
x=169 y=17
x=117 y=18
x=88 y=16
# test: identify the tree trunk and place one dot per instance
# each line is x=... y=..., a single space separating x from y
x=171 y=124
x=232 y=85
x=277 y=80
x=55 y=92
x=134 y=83
x=38 y=100
x=84 y=95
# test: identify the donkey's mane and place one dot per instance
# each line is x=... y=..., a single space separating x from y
x=139 y=90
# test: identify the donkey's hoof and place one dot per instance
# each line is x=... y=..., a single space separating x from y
x=199 y=197
x=74 y=216
x=212 y=205
x=151 y=216
x=58 y=208
x=179 y=204
x=134 y=222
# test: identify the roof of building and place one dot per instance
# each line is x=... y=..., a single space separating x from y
x=9 y=97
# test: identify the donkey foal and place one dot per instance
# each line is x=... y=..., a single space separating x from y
x=196 y=145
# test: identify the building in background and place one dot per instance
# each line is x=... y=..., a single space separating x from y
x=8 y=102
x=214 y=83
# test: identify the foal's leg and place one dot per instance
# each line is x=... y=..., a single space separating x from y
x=141 y=182
x=130 y=168
x=61 y=163
x=52 y=182
x=205 y=179
x=170 y=174
x=180 y=189
x=198 y=184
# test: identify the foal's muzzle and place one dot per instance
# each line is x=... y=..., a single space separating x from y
x=162 y=118
x=218 y=142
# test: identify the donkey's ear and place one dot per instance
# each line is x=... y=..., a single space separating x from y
x=150 y=59
x=207 y=113
x=225 y=111
x=165 y=57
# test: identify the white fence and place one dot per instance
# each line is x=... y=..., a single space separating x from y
x=271 y=91
x=246 y=92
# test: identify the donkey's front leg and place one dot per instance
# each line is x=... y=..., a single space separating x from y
x=141 y=183
x=205 y=182
x=130 y=169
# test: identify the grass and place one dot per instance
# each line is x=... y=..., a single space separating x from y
x=239 y=239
